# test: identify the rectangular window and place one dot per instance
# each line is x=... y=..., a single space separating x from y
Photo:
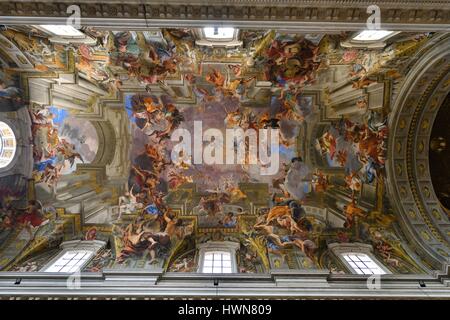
x=362 y=263
x=70 y=261
x=218 y=33
x=372 y=35
x=217 y=262
x=62 y=30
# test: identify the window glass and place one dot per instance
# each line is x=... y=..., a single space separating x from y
x=8 y=145
x=362 y=263
x=217 y=262
x=70 y=261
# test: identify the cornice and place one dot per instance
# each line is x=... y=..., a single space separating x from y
x=325 y=15
x=284 y=284
x=415 y=4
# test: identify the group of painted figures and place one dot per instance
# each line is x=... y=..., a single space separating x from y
x=289 y=62
x=152 y=174
x=14 y=216
x=50 y=152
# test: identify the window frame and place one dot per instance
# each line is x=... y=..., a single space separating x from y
x=14 y=149
x=213 y=261
x=348 y=254
x=367 y=44
x=218 y=246
x=341 y=249
x=92 y=246
x=77 y=264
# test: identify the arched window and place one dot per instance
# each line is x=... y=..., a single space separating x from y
x=8 y=145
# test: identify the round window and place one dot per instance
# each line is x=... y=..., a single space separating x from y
x=8 y=145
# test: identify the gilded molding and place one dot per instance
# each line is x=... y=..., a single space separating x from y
x=409 y=181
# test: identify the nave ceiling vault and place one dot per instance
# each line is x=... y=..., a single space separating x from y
x=94 y=120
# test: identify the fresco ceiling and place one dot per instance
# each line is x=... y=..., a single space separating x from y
x=328 y=102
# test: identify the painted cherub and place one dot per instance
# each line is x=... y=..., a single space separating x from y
x=216 y=78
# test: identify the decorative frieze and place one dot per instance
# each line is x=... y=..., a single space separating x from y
x=281 y=13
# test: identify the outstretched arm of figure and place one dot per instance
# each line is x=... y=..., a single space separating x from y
x=149 y=173
x=260 y=225
x=277 y=240
x=143 y=172
x=138 y=171
x=166 y=217
x=132 y=196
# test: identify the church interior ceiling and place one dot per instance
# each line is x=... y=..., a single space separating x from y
x=99 y=116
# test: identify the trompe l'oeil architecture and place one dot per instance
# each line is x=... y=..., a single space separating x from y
x=336 y=185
